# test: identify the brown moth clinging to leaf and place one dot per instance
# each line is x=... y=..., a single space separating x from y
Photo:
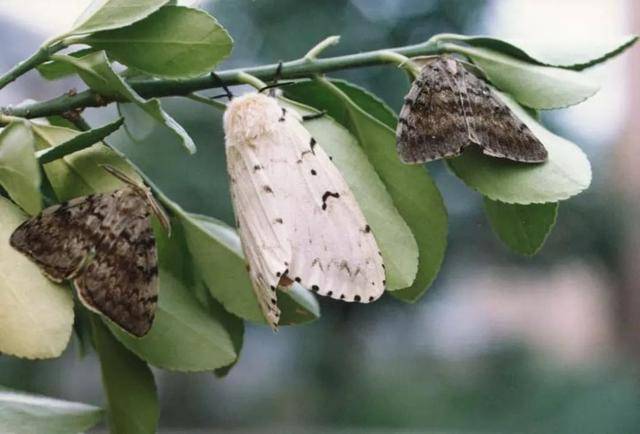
x=448 y=108
x=105 y=245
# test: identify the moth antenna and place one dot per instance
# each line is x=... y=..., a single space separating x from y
x=159 y=212
x=144 y=191
x=276 y=77
x=314 y=116
x=224 y=87
x=120 y=175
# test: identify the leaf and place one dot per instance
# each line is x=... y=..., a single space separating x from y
x=566 y=172
x=112 y=14
x=217 y=253
x=577 y=57
x=78 y=142
x=185 y=336
x=129 y=386
x=19 y=170
x=36 y=315
x=535 y=86
x=173 y=42
x=414 y=193
x=79 y=174
x=55 y=70
x=95 y=71
x=233 y=324
x=524 y=228
x=395 y=240
x=25 y=413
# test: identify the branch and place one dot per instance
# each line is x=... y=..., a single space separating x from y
x=299 y=68
x=42 y=55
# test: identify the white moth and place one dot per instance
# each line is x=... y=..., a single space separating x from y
x=297 y=218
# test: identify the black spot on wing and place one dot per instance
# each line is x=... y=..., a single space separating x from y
x=326 y=195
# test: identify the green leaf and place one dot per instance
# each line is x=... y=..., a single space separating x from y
x=578 y=56
x=79 y=174
x=566 y=172
x=375 y=107
x=535 y=86
x=173 y=42
x=37 y=314
x=55 y=70
x=112 y=14
x=234 y=325
x=128 y=383
x=524 y=228
x=25 y=413
x=79 y=142
x=185 y=336
x=217 y=253
x=395 y=240
x=414 y=193
x=19 y=170
x=95 y=71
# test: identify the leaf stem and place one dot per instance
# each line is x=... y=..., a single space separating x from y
x=299 y=68
x=321 y=46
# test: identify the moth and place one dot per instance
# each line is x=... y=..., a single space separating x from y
x=297 y=218
x=104 y=244
x=448 y=108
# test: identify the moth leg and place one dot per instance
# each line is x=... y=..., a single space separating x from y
x=82 y=265
x=285 y=283
x=314 y=116
x=227 y=93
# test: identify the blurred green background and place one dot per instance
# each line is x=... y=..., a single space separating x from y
x=499 y=344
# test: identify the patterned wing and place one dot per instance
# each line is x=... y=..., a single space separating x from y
x=105 y=244
x=263 y=242
x=335 y=253
x=298 y=220
x=60 y=237
x=432 y=123
x=498 y=131
x=121 y=278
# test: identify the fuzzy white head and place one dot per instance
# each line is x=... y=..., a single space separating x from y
x=251 y=116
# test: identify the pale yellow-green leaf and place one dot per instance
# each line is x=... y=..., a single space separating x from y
x=19 y=171
x=36 y=315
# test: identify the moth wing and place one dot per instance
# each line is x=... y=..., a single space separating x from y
x=120 y=280
x=334 y=252
x=56 y=239
x=498 y=131
x=432 y=122
x=257 y=208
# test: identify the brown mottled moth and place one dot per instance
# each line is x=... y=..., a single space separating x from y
x=105 y=245
x=297 y=218
x=448 y=108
